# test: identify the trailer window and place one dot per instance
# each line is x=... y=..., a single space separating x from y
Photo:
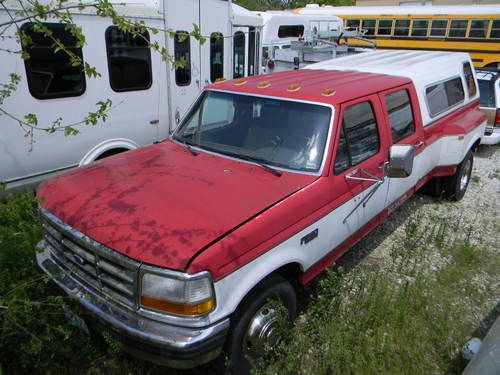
x=50 y=74
x=360 y=136
x=290 y=31
x=438 y=27
x=458 y=28
x=495 y=29
x=384 y=27
x=469 y=80
x=369 y=27
x=216 y=56
x=400 y=115
x=239 y=55
x=419 y=27
x=478 y=28
x=251 y=51
x=444 y=95
x=182 y=54
x=129 y=60
x=402 y=28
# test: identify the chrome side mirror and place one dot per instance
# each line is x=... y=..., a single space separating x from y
x=401 y=161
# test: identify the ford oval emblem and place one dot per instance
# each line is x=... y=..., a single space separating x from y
x=78 y=259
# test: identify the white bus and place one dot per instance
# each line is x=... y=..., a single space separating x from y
x=149 y=97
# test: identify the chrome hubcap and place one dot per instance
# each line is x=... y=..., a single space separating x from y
x=464 y=179
x=260 y=332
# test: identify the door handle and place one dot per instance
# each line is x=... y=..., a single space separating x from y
x=418 y=144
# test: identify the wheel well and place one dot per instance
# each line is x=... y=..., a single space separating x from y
x=111 y=152
x=290 y=272
x=475 y=145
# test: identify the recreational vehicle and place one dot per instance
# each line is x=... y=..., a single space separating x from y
x=148 y=97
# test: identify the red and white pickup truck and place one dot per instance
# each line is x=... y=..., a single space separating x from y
x=177 y=248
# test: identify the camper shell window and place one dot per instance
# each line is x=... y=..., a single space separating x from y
x=182 y=53
x=216 y=56
x=444 y=95
x=129 y=60
x=49 y=73
x=290 y=31
x=469 y=80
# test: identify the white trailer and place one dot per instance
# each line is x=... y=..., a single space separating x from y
x=149 y=97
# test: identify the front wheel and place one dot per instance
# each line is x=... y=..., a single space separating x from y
x=256 y=323
x=454 y=187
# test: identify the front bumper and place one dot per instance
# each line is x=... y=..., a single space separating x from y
x=491 y=139
x=148 y=339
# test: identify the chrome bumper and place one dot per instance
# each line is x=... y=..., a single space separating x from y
x=153 y=341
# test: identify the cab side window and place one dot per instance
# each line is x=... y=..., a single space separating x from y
x=359 y=138
x=400 y=115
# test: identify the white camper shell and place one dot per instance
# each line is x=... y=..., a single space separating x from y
x=149 y=97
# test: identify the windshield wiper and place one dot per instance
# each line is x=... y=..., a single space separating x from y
x=187 y=145
x=257 y=161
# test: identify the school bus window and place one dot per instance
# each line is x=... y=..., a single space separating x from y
x=438 y=27
x=478 y=28
x=216 y=56
x=419 y=27
x=402 y=28
x=369 y=26
x=384 y=27
x=50 y=74
x=495 y=29
x=182 y=54
x=457 y=28
x=352 y=23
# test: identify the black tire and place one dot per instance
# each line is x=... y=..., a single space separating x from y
x=455 y=186
x=272 y=288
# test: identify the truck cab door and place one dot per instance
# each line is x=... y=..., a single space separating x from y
x=361 y=158
x=405 y=126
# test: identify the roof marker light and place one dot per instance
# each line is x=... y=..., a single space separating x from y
x=264 y=84
x=328 y=92
x=293 y=88
x=240 y=81
x=220 y=79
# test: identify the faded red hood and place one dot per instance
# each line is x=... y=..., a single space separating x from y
x=161 y=204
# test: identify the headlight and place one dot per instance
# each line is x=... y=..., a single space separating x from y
x=178 y=293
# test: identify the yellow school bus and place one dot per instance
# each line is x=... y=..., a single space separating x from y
x=464 y=28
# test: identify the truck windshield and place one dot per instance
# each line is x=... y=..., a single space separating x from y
x=279 y=133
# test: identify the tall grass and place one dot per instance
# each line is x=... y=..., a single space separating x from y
x=409 y=316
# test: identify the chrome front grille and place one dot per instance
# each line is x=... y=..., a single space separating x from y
x=102 y=269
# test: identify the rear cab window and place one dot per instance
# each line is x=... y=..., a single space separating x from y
x=400 y=114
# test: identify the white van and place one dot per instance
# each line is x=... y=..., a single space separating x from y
x=149 y=97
